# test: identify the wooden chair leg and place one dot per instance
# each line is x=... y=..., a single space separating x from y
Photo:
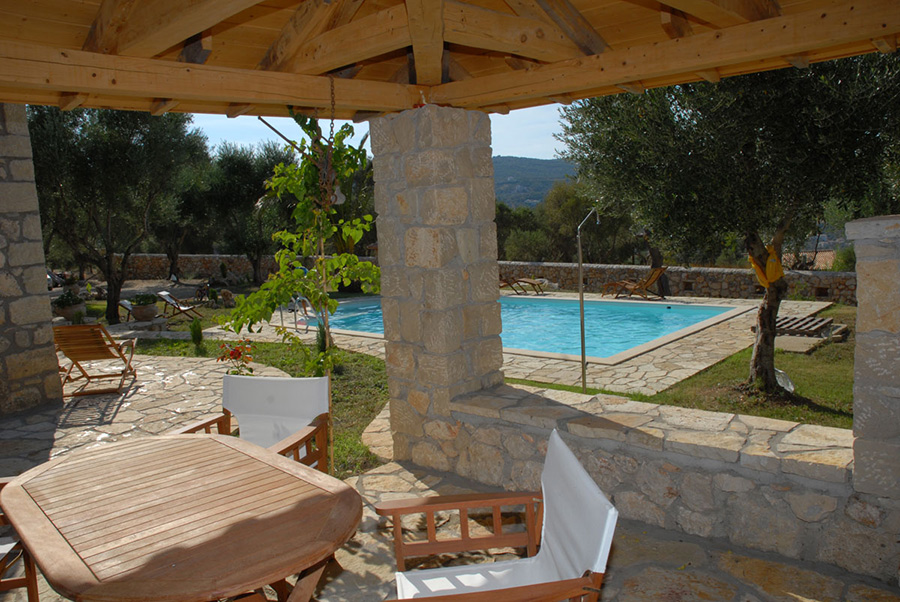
x=306 y=584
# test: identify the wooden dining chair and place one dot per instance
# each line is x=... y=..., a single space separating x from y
x=84 y=343
x=287 y=415
x=14 y=552
x=576 y=532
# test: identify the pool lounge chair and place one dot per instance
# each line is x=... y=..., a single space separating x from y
x=177 y=306
x=578 y=525
x=127 y=306
x=627 y=287
x=534 y=284
x=511 y=284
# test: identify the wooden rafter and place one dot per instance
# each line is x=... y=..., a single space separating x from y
x=380 y=33
x=426 y=26
x=575 y=26
x=451 y=70
x=40 y=67
x=71 y=100
x=481 y=28
x=310 y=19
x=161 y=106
x=197 y=48
x=727 y=13
x=886 y=44
x=145 y=29
x=777 y=37
x=675 y=23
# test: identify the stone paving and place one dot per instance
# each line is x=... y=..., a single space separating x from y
x=648 y=373
x=646 y=564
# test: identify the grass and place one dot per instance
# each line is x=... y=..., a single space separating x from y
x=359 y=391
x=823 y=383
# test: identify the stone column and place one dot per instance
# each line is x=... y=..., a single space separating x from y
x=876 y=388
x=437 y=248
x=28 y=365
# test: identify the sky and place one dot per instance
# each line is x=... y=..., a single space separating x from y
x=521 y=133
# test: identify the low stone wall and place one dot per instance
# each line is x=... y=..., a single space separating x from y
x=764 y=484
x=693 y=282
x=155 y=266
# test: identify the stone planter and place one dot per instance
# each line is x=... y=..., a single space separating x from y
x=144 y=313
x=69 y=312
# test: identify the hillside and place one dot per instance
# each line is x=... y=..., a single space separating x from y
x=522 y=181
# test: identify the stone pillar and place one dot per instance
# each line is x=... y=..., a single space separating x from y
x=437 y=248
x=876 y=388
x=28 y=365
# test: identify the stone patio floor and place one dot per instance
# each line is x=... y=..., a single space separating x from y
x=646 y=564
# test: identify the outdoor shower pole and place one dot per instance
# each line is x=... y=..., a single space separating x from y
x=581 y=299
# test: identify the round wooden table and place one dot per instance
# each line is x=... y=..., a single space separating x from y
x=177 y=518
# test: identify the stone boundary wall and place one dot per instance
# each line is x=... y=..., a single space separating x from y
x=769 y=485
x=155 y=266
x=692 y=282
x=28 y=364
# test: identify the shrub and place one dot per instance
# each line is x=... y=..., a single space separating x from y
x=143 y=299
x=67 y=299
x=196 y=332
x=844 y=260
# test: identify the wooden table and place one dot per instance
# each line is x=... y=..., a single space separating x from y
x=179 y=517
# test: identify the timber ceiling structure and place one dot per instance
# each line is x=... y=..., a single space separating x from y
x=258 y=57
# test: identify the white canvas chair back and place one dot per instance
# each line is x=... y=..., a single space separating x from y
x=269 y=409
x=579 y=523
x=578 y=519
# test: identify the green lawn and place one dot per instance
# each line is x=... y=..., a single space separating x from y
x=359 y=391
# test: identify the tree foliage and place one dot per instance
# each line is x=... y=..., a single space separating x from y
x=754 y=158
x=100 y=174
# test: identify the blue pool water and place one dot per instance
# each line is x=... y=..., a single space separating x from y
x=552 y=325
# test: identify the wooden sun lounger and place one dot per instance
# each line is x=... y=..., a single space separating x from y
x=92 y=342
x=799 y=326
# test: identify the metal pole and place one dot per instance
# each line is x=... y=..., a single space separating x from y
x=581 y=300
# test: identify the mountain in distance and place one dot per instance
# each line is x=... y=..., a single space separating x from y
x=521 y=181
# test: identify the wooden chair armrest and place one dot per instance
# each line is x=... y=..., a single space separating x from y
x=451 y=502
x=309 y=445
x=529 y=538
x=222 y=422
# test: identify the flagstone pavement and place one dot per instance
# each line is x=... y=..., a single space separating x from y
x=646 y=564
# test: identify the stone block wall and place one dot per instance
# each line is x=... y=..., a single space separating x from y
x=437 y=249
x=768 y=485
x=876 y=384
x=28 y=364
x=155 y=266
x=692 y=282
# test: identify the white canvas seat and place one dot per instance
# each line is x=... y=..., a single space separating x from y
x=577 y=532
x=286 y=415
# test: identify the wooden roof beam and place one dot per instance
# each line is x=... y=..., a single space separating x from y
x=161 y=106
x=632 y=87
x=470 y=25
x=575 y=26
x=309 y=20
x=727 y=13
x=451 y=70
x=788 y=35
x=373 y=35
x=145 y=29
x=238 y=109
x=710 y=75
x=71 y=100
x=426 y=28
x=25 y=66
x=800 y=61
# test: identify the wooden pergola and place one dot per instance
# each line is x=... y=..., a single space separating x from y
x=258 y=57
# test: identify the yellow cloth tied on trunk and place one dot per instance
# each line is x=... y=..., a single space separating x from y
x=773 y=272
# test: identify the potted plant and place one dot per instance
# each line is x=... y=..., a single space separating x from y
x=143 y=307
x=67 y=305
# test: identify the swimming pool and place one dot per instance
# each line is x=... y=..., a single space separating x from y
x=551 y=325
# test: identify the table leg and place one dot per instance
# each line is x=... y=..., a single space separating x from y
x=306 y=584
